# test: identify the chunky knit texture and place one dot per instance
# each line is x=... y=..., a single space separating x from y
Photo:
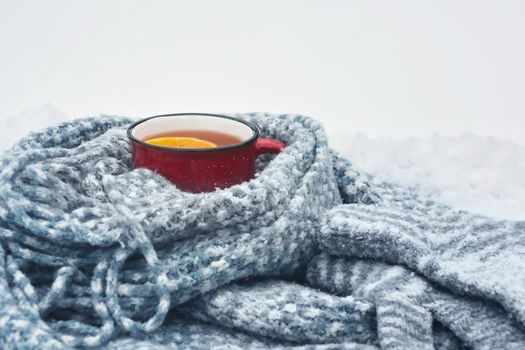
x=308 y=254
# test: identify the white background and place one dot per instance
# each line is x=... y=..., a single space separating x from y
x=394 y=68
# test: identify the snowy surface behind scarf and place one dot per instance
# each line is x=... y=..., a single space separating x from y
x=490 y=169
x=93 y=254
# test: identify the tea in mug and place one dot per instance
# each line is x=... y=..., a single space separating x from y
x=192 y=139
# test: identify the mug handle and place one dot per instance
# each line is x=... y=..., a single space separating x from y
x=263 y=145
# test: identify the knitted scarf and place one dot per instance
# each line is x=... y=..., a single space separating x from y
x=308 y=254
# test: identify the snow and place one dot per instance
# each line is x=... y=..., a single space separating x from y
x=481 y=174
x=16 y=126
x=477 y=173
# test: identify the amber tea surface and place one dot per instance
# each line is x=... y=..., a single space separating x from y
x=192 y=139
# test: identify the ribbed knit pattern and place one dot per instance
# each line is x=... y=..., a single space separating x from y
x=400 y=294
x=309 y=254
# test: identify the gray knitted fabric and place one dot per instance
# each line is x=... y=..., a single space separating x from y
x=308 y=254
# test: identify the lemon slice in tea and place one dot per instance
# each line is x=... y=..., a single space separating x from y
x=180 y=142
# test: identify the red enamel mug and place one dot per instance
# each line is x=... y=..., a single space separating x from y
x=200 y=169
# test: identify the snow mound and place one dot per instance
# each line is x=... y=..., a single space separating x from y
x=481 y=174
x=16 y=126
